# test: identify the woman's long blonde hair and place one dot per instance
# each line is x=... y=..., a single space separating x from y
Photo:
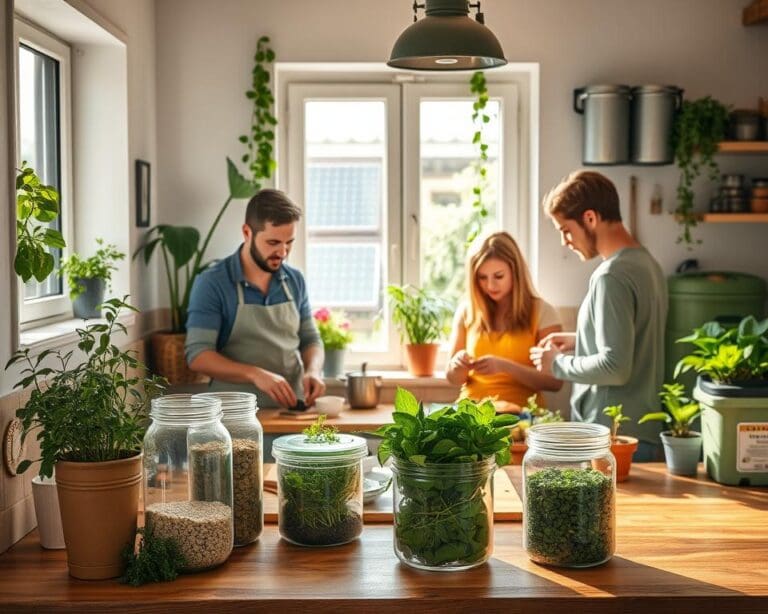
x=480 y=308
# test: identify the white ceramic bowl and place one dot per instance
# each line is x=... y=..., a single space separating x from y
x=330 y=406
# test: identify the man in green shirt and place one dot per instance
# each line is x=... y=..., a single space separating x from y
x=616 y=354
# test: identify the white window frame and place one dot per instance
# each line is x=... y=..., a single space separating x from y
x=36 y=311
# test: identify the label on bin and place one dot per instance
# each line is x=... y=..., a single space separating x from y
x=752 y=447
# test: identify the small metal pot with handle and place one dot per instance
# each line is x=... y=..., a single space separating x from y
x=362 y=389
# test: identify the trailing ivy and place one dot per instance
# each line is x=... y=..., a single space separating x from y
x=478 y=87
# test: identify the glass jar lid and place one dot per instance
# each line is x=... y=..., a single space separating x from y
x=299 y=447
x=233 y=404
x=569 y=440
x=185 y=409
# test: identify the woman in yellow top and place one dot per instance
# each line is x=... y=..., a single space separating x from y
x=494 y=329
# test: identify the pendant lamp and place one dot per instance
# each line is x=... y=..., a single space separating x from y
x=447 y=39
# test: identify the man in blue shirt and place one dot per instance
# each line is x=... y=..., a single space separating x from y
x=250 y=326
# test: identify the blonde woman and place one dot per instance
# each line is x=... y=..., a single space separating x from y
x=496 y=325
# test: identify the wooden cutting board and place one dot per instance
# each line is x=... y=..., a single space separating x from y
x=507 y=505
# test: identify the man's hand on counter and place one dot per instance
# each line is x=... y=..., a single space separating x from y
x=314 y=386
x=275 y=386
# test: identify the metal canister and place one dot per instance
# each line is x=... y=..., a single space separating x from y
x=606 y=123
x=653 y=115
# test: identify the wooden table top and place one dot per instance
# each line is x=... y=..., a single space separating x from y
x=683 y=545
x=348 y=421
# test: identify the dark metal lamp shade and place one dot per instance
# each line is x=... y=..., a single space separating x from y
x=447 y=39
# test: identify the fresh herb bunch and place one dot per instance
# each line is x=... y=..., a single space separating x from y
x=98 y=266
x=679 y=411
x=615 y=413
x=478 y=87
x=699 y=127
x=728 y=355
x=443 y=460
x=37 y=205
x=569 y=516
x=421 y=316
x=93 y=411
x=333 y=327
x=541 y=415
x=157 y=559
x=318 y=432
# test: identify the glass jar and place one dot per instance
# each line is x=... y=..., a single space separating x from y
x=244 y=428
x=188 y=479
x=320 y=489
x=443 y=514
x=569 y=481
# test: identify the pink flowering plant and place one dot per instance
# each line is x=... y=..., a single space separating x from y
x=333 y=327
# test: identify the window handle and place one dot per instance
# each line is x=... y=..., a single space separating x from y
x=413 y=244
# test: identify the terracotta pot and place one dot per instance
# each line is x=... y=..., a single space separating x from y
x=168 y=359
x=623 y=448
x=99 y=507
x=422 y=358
x=517 y=451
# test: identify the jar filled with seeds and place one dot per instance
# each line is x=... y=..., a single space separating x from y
x=320 y=487
x=243 y=426
x=569 y=482
x=188 y=479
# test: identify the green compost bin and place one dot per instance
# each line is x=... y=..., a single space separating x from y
x=697 y=297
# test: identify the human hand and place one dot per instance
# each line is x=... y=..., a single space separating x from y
x=275 y=386
x=314 y=386
x=543 y=357
x=461 y=360
x=565 y=342
x=488 y=364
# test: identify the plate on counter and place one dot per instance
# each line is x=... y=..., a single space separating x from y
x=375 y=483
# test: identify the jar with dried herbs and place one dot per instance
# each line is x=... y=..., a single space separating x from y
x=569 y=481
x=188 y=479
x=243 y=425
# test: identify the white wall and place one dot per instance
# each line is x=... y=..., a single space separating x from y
x=204 y=58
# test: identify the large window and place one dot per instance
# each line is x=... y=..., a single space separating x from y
x=43 y=73
x=386 y=175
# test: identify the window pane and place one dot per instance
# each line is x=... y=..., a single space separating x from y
x=447 y=157
x=39 y=138
x=345 y=192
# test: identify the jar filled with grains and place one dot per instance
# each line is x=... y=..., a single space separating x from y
x=247 y=443
x=569 y=482
x=188 y=479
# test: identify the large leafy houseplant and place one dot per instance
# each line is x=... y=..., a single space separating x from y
x=698 y=129
x=443 y=464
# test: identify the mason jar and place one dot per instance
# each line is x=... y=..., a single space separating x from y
x=320 y=489
x=188 y=479
x=569 y=482
x=443 y=514
x=244 y=428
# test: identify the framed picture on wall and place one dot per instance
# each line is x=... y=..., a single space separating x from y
x=142 y=193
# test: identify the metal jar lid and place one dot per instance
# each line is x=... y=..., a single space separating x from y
x=656 y=89
x=591 y=90
x=297 y=447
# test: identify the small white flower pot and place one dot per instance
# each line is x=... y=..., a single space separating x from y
x=48 y=515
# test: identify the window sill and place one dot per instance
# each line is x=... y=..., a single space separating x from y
x=62 y=334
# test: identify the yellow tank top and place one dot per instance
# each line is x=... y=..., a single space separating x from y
x=510 y=345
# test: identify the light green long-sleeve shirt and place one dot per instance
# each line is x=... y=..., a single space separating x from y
x=619 y=355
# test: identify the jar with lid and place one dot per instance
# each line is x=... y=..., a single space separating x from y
x=320 y=488
x=188 y=479
x=569 y=482
x=244 y=428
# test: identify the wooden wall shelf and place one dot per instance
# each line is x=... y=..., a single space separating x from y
x=735 y=217
x=757 y=12
x=746 y=147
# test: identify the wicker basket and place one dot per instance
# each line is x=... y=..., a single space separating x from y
x=169 y=361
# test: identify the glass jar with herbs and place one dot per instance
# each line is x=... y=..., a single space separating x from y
x=188 y=479
x=247 y=435
x=320 y=486
x=569 y=481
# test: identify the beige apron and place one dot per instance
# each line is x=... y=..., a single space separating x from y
x=266 y=336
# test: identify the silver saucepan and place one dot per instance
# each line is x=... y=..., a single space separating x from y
x=362 y=389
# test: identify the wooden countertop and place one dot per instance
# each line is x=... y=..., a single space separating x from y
x=347 y=421
x=683 y=545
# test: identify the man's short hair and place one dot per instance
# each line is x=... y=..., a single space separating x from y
x=270 y=206
x=583 y=191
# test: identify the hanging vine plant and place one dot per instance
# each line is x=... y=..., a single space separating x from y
x=699 y=128
x=478 y=87
x=260 y=139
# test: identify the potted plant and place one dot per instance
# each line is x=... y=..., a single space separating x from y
x=88 y=278
x=682 y=446
x=333 y=327
x=89 y=418
x=698 y=129
x=443 y=464
x=732 y=387
x=622 y=446
x=530 y=414
x=421 y=317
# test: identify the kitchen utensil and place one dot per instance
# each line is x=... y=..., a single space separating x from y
x=653 y=114
x=606 y=123
x=732 y=181
x=745 y=125
x=362 y=389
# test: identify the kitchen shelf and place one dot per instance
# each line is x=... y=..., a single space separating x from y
x=757 y=12
x=746 y=147
x=735 y=217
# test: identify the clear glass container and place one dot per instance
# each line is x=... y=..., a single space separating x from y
x=569 y=481
x=188 y=479
x=443 y=514
x=320 y=489
x=244 y=427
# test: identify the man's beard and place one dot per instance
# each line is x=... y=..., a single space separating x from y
x=260 y=261
x=591 y=237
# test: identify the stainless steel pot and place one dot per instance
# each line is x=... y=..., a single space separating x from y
x=606 y=123
x=653 y=116
x=362 y=389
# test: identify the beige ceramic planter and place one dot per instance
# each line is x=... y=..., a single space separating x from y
x=99 y=508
